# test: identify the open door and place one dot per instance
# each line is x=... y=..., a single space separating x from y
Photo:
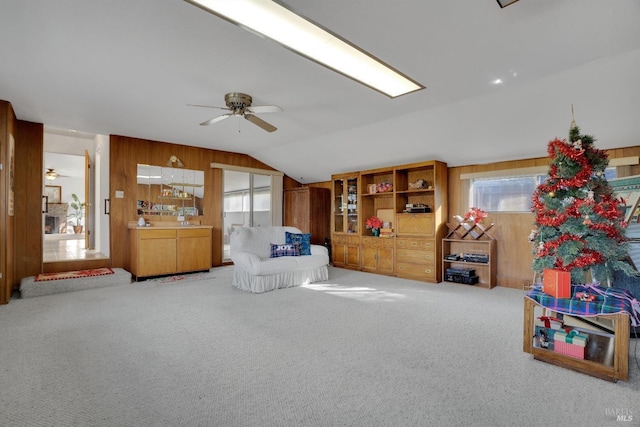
x=88 y=197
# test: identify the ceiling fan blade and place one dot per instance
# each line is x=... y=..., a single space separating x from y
x=259 y=122
x=216 y=119
x=207 y=106
x=264 y=109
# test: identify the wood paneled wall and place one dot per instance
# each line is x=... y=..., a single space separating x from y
x=126 y=152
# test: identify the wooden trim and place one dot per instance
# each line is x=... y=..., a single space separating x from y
x=534 y=170
x=246 y=169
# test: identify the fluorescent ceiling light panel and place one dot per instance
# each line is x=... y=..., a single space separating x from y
x=277 y=22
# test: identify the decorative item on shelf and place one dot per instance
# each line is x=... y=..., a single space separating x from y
x=374 y=223
x=386 y=232
x=418 y=184
x=475 y=215
x=372 y=188
x=384 y=187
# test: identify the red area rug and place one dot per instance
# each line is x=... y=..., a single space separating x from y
x=79 y=274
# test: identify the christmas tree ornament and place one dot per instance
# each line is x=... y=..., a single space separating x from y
x=587 y=220
x=552 y=194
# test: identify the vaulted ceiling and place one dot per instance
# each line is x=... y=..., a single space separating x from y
x=130 y=67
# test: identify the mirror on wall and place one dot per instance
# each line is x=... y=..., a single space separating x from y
x=169 y=191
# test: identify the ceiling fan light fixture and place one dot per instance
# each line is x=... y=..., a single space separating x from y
x=50 y=175
x=279 y=23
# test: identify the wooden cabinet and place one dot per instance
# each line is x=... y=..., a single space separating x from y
x=416 y=258
x=345 y=236
x=412 y=202
x=308 y=208
x=453 y=251
x=345 y=203
x=377 y=255
x=159 y=251
x=346 y=251
x=194 y=249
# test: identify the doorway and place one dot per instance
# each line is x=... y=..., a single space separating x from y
x=67 y=203
x=247 y=203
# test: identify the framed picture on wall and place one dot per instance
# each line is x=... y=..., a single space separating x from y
x=53 y=193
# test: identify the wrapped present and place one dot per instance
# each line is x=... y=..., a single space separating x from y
x=549 y=322
x=556 y=283
x=571 y=343
x=543 y=337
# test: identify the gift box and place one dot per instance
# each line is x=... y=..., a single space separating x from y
x=543 y=337
x=549 y=322
x=556 y=283
x=571 y=343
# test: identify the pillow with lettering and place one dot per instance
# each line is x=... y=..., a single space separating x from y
x=304 y=240
x=284 y=249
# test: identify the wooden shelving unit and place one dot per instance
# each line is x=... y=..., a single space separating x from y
x=471 y=238
x=394 y=194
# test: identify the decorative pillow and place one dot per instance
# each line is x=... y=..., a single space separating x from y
x=284 y=249
x=304 y=240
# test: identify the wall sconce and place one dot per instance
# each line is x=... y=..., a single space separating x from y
x=505 y=3
x=174 y=162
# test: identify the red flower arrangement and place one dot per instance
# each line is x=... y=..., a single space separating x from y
x=374 y=222
x=476 y=215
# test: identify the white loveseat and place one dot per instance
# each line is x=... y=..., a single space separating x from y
x=255 y=270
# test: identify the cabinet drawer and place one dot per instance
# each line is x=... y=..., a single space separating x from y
x=194 y=232
x=415 y=224
x=415 y=244
x=339 y=239
x=378 y=242
x=416 y=257
x=157 y=234
x=426 y=271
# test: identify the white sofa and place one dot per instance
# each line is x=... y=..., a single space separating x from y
x=255 y=271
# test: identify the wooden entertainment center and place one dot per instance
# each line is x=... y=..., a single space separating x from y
x=411 y=200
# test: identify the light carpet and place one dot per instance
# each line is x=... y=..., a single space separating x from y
x=357 y=350
x=187 y=277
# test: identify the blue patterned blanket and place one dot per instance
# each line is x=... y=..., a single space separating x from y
x=605 y=301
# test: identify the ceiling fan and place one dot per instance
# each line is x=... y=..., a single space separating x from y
x=51 y=174
x=239 y=104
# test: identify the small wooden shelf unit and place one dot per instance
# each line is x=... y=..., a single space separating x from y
x=594 y=365
x=471 y=238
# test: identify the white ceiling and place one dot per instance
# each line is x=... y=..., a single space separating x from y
x=129 y=67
